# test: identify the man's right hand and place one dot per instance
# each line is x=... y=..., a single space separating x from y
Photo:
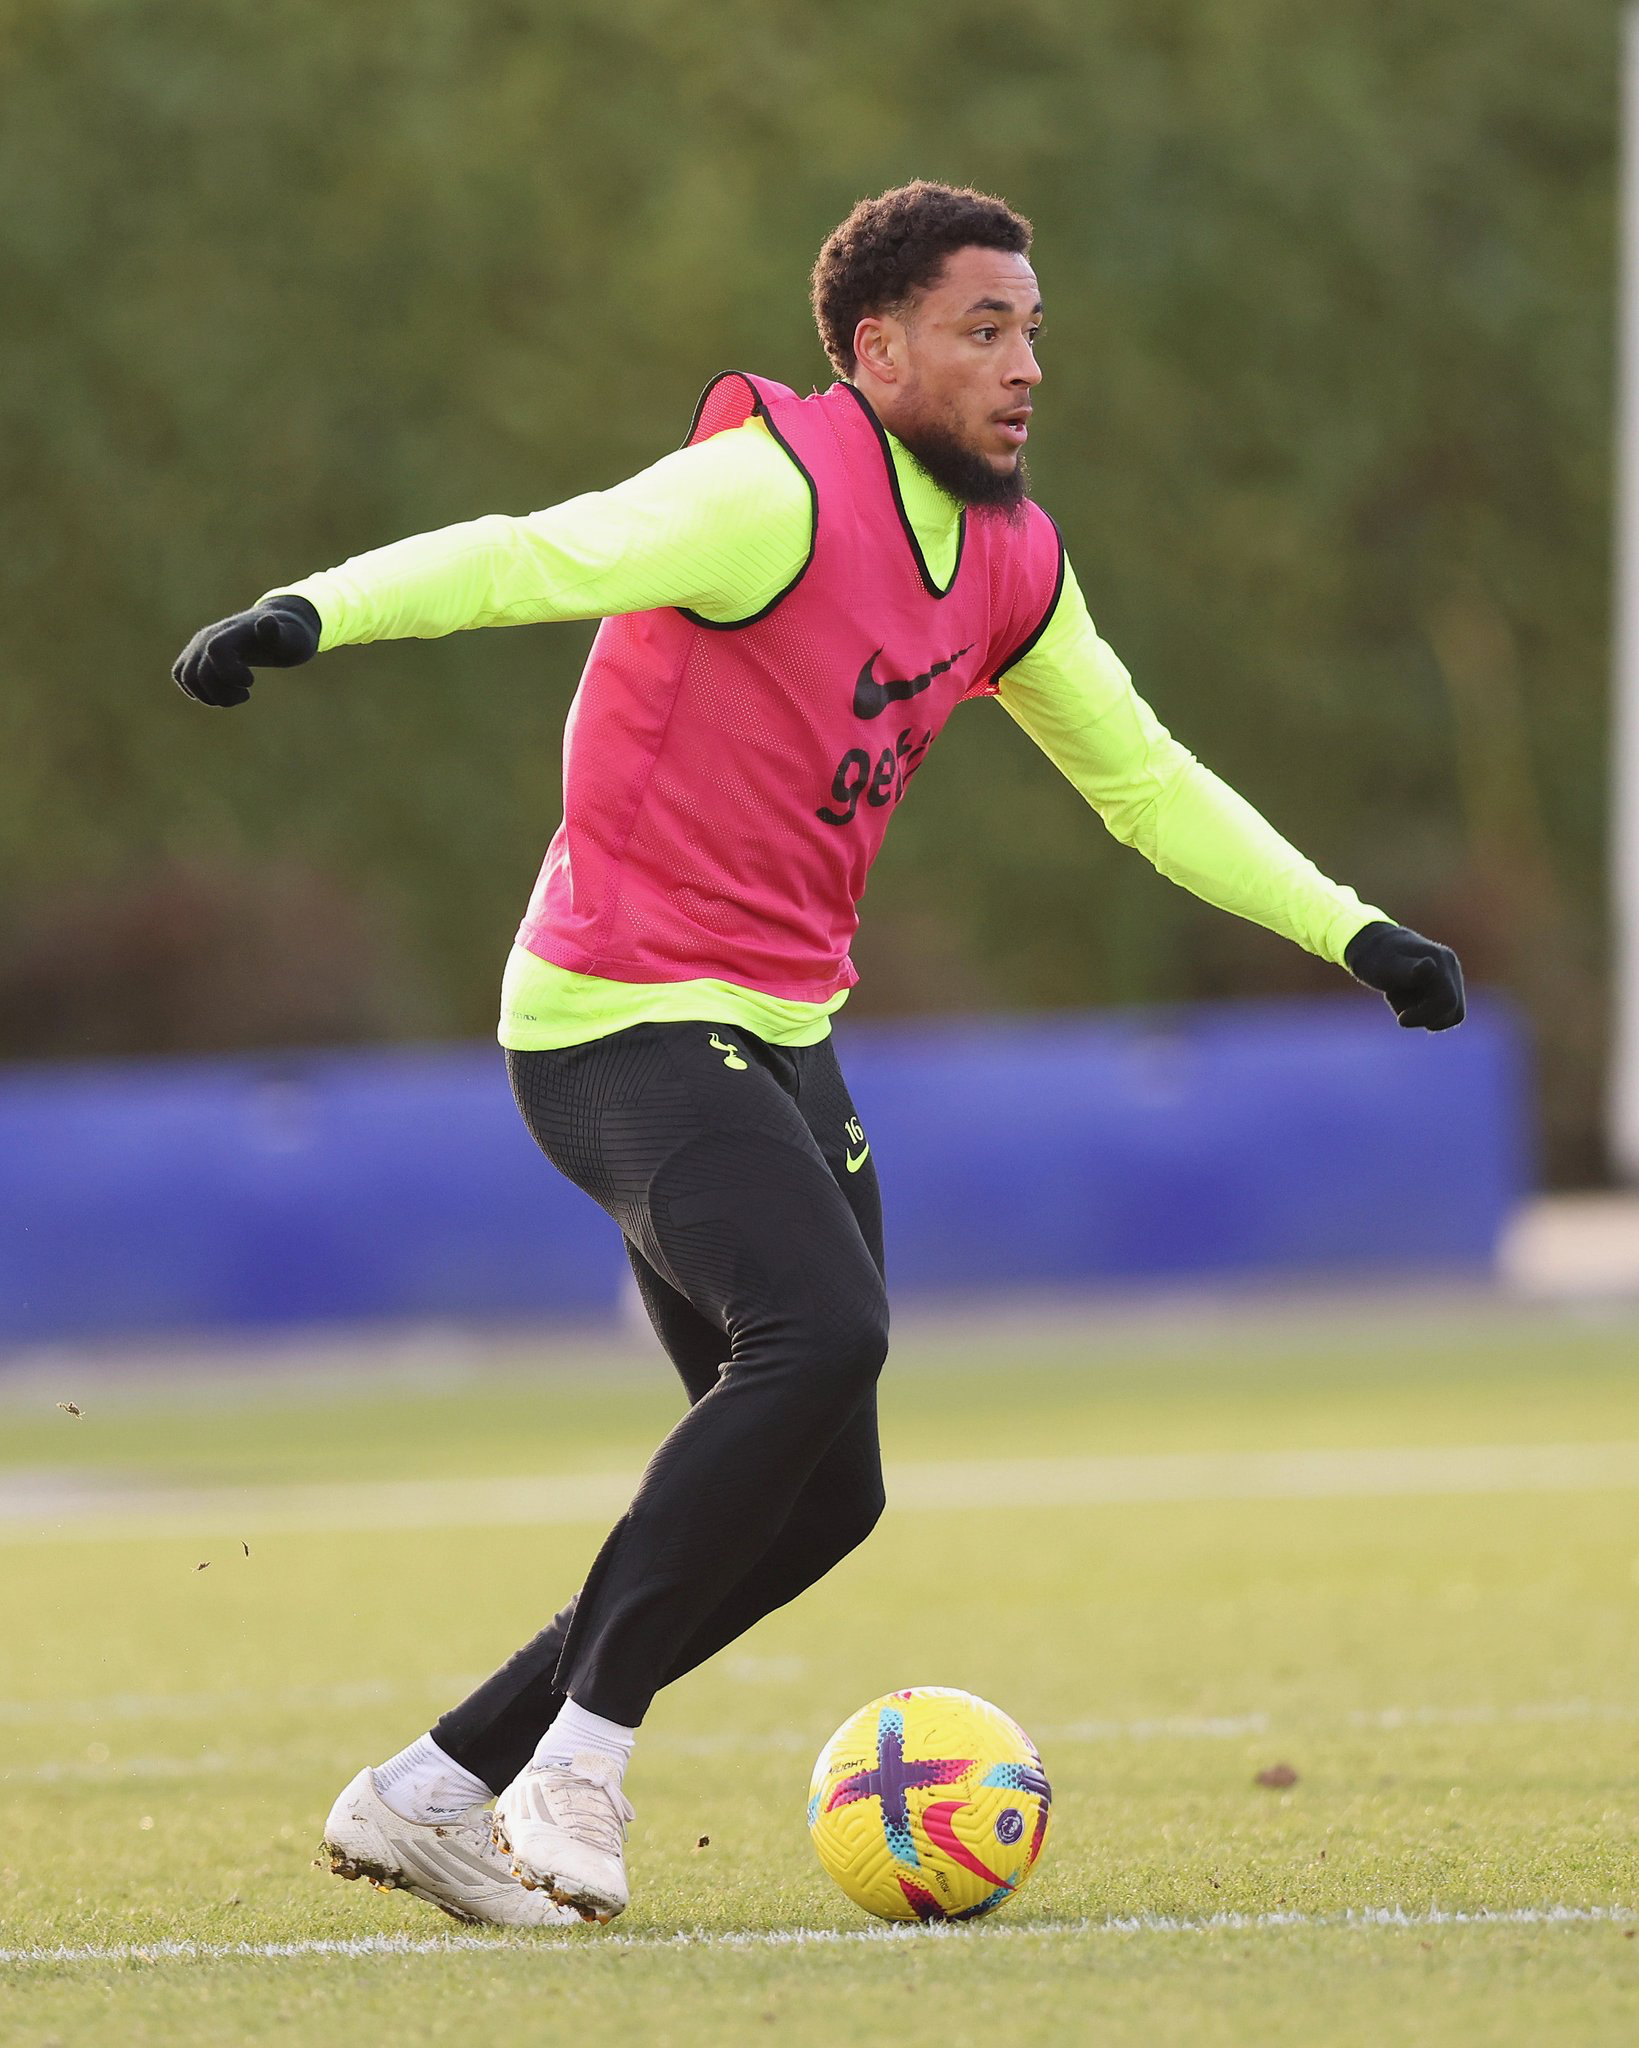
x=215 y=666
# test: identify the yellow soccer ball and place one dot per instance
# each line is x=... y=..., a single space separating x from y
x=929 y=1804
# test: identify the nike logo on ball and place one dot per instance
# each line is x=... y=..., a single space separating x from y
x=872 y=697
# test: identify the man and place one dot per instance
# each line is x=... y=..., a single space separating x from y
x=793 y=605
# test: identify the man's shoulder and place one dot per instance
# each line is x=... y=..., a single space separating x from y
x=1023 y=533
x=1038 y=523
x=747 y=442
x=731 y=399
x=743 y=471
x=735 y=461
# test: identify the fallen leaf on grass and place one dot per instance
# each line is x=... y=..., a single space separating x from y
x=68 y=1407
x=1277 y=1777
x=703 y=1843
x=205 y=1567
x=244 y=1546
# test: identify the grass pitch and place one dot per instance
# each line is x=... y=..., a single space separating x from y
x=1135 y=1543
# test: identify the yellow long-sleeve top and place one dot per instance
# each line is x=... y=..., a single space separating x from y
x=722 y=528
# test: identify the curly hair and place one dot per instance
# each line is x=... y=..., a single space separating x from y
x=894 y=246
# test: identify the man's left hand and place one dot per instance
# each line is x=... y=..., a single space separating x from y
x=1421 y=980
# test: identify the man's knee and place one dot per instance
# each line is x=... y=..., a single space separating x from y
x=825 y=1343
x=863 y=1517
x=838 y=1522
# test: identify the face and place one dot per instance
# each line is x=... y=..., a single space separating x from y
x=953 y=376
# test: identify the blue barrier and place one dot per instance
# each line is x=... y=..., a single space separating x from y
x=1281 y=1139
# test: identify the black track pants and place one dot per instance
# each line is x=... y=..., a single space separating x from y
x=758 y=1251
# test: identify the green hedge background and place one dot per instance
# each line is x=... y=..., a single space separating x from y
x=1327 y=423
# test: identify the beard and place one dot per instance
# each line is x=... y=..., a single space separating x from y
x=961 y=471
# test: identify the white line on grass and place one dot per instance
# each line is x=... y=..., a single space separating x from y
x=1359 y=1918
x=54 y=1507
x=107 y=1769
x=208 y=1763
x=166 y=1706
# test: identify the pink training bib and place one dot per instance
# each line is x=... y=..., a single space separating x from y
x=726 y=788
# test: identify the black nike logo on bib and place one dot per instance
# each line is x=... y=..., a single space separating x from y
x=872 y=697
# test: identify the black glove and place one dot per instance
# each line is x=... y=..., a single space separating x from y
x=1421 y=979
x=215 y=666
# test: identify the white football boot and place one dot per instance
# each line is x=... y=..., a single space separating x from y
x=564 y=1826
x=452 y=1864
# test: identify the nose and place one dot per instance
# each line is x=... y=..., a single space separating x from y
x=1023 y=367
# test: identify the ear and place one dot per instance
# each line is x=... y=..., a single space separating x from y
x=880 y=352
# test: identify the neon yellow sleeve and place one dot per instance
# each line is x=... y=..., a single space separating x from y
x=1077 y=702
x=721 y=527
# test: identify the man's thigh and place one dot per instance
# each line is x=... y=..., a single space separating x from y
x=689 y=1136
x=828 y=1110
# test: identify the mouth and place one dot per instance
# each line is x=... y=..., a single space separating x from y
x=1015 y=425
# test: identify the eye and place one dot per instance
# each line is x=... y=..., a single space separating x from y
x=984 y=334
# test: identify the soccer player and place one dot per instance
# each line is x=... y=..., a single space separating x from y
x=793 y=604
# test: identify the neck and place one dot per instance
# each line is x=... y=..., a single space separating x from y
x=947 y=461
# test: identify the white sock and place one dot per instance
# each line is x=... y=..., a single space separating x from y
x=422 y=1783
x=576 y=1729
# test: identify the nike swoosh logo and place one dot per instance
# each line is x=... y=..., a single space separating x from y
x=855 y=1164
x=872 y=697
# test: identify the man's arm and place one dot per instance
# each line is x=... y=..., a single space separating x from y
x=721 y=528
x=1077 y=702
